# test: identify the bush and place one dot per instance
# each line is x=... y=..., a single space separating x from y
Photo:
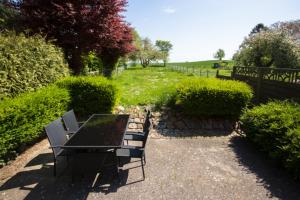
x=90 y=95
x=23 y=118
x=27 y=63
x=213 y=97
x=275 y=128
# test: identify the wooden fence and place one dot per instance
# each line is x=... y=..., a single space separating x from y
x=269 y=83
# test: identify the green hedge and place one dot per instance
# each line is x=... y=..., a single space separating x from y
x=22 y=119
x=213 y=97
x=90 y=95
x=27 y=63
x=275 y=128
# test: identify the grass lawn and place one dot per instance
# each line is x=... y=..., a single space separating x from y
x=153 y=85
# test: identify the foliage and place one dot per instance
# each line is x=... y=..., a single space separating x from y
x=164 y=47
x=27 y=63
x=292 y=27
x=275 y=128
x=220 y=54
x=92 y=62
x=9 y=17
x=269 y=48
x=82 y=26
x=258 y=28
x=144 y=86
x=22 y=118
x=148 y=53
x=94 y=94
x=213 y=97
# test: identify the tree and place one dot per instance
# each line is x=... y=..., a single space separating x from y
x=220 y=54
x=164 y=47
x=292 y=27
x=148 y=53
x=9 y=16
x=137 y=42
x=258 y=28
x=80 y=27
x=269 y=48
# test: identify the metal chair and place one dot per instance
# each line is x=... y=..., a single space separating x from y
x=136 y=152
x=57 y=137
x=147 y=118
x=70 y=121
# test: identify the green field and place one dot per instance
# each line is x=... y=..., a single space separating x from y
x=152 y=85
x=207 y=64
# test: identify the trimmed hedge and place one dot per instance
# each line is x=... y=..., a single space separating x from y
x=90 y=95
x=213 y=97
x=275 y=128
x=23 y=118
x=27 y=63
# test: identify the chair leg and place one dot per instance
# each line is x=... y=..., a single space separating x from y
x=143 y=168
x=54 y=167
x=144 y=159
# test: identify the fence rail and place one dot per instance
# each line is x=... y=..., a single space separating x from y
x=269 y=83
x=197 y=71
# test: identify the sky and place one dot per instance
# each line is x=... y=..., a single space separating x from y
x=198 y=28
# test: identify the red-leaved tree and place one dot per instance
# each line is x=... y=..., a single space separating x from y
x=80 y=26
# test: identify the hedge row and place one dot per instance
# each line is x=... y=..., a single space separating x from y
x=213 y=97
x=28 y=63
x=90 y=95
x=23 y=118
x=275 y=128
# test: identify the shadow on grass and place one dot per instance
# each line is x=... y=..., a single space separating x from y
x=37 y=181
x=274 y=178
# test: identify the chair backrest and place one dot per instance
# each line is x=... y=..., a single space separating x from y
x=56 y=135
x=147 y=128
x=70 y=121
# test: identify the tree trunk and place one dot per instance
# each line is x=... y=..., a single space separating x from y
x=75 y=62
x=109 y=64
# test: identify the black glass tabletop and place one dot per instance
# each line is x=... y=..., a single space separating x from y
x=100 y=131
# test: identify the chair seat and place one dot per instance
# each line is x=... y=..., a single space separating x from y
x=134 y=133
x=133 y=153
x=136 y=137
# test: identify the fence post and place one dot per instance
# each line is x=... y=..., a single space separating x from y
x=217 y=74
x=259 y=83
x=233 y=72
x=207 y=73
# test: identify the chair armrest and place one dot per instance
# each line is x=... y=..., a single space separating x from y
x=134 y=137
x=81 y=123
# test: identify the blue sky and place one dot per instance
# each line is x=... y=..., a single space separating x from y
x=197 y=28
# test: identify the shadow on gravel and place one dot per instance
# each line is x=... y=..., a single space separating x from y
x=37 y=179
x=279 y=184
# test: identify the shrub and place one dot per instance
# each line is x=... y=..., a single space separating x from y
x=213 y=97
x=275 y=128
x=23 y=118
x=27 y=63
x=90 y=95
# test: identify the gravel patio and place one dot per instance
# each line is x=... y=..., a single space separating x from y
x=218 y=167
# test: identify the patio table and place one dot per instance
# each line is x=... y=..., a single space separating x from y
x=90 y=144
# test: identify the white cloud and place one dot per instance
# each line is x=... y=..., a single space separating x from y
x=169 y=10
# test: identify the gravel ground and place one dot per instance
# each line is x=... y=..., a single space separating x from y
x=224 y=167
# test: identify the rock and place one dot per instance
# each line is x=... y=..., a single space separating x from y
x=140 y=126
x=137 y=120
x=121 y=108
x=132 y=126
